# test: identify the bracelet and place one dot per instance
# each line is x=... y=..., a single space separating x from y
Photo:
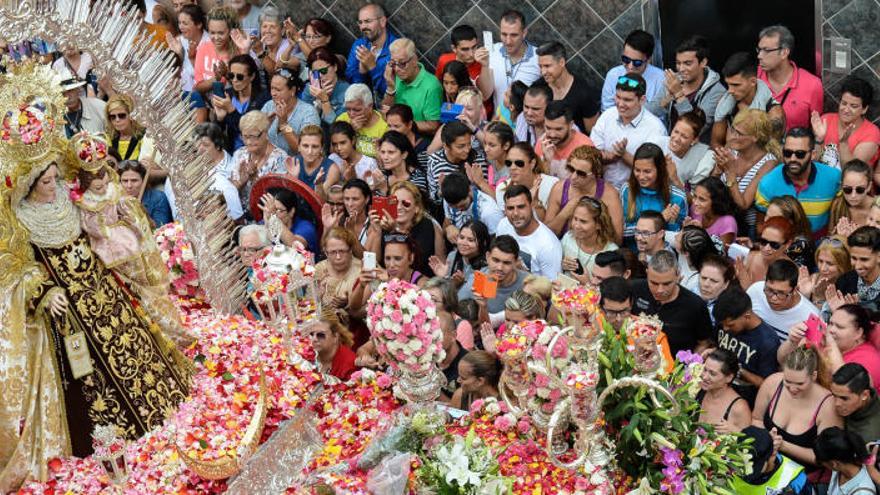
x=390 y=93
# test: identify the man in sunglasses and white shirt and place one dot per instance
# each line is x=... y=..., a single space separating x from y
x=638 y=47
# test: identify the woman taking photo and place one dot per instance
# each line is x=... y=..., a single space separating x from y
x=844 y=453
x=850 y=210
x=648 y=188
x=592 y=232
x=245 y=95
x=527 y=169
x=289 y=114
x=847 y=134
x=690 y=160
x=720 y=405
x=397 y=164
x=478 y=375
x=468 y=256
x=713 y=209
x=832 y=260
x=795 y=408
x=326 y=91
x=257 y=157
x=497 y=140
x=412 y=220
x=585 y=180
x=847 y=339
x=212 y=57
x=772 y=244
x=751 y=152
x=716 y=275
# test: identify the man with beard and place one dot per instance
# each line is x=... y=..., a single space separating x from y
x=744 y=90
x=371 y=53
x=540 y=249
x=814 y=184
x=560 y=138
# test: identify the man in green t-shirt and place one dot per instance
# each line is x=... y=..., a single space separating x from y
x=410 y=84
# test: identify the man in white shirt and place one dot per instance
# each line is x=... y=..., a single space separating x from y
x=530 y=122
x=624 y=127
x=83 y=113
x=511 y=59
x=540 y=249
x=638 y=47
x=777 y=301
x=463 y=202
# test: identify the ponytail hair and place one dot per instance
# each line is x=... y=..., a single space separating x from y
x=836 y=444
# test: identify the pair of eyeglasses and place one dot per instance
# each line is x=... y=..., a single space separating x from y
x=313 y=37
x=118 y=116
x=631 y=61
x=616 y=315
x=396 y=238
x=760 y=50
x=251 y=250
x=337 y=253
x=583 y=174
x=251 y=137
x=645 y=233
x=323 y=71
x=800 y=154
x=286 y=74
x=395 y=64
x=773 y=244
x=237 y=76
x=777 y=294
x=851 y=189
x=518 y=163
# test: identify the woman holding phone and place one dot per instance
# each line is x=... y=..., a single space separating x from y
x=326 y=91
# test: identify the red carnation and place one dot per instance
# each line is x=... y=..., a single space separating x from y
x=9 y=182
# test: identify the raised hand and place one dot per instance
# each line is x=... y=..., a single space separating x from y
x=805 y=282
x=241 y=41
x=328 y=217
x=174 y=44
x=439 y=266
x=820 y=127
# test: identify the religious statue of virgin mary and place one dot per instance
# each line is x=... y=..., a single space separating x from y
x=77 y=350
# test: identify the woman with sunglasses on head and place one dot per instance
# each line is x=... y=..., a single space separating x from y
x=848 y=135
x=245 y=94
x=289 y=114
x=326 y=91
x=397 y=164
x=832 y=260
x=850 y=210
x=592 y=232
x=332 y=344
x=527 y=169
x=585 y=179
x=713 y=209
x=649 y=188
x=468 y=255
x=751 y=152
x=775 y=237
x=212 y=56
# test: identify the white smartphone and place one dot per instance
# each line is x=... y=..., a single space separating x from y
x=488 y=40
x=736 y=251
x=369 y=260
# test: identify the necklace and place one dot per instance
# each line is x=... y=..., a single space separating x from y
x=50 y=224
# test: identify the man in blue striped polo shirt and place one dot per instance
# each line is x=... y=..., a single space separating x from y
x=813 y=184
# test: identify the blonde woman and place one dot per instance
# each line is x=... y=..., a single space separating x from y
x=851 y=208
x=128 y=137
x=832 y=260
x=751 y=152
x=473 y=115
x=592 y=232
x=257 y=157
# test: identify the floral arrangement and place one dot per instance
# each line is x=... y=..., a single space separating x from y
x=527 y=464
x=177 y=253
x=644 y=327
x=581 y=299
x=29 y=122
x=492 y=421
x=268 y=283
x=542 y=390
x=463 y=466
x=403 y=321
x=89 y=149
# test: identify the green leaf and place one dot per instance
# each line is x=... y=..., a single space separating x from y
x=203 y=444
x=228 y=376
x=200 y=358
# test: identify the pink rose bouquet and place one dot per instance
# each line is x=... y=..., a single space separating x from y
x=177 y=253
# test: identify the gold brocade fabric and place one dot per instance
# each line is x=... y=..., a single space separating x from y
x=136 y=383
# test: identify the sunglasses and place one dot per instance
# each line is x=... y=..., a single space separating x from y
x=237 y=76
x=583 y=174
x=800 y=154
x=396 y=239
x=118 y=116
x=634 y=61
x=405 y=203
x=318 y=335
x=857 y=189
x=323 y=71
x=586 y=200
x=831 y=241
x=773 y=244
x=395 y=64
x=518 y=163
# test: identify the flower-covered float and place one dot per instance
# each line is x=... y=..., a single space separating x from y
x=594 y=417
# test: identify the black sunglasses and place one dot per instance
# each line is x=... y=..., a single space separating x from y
x=773 y=244
x=634 y=61
x=323 y=71
x=583 y=174
x=518 y=163
x=857 y=189
x=800 y=154
x=237 y=76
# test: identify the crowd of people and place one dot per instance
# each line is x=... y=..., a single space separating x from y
x=724 y=202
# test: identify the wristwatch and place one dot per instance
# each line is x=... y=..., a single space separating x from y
x=285 y=129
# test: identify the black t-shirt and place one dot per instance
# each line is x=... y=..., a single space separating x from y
x=848 y=283
x=685 y=320
x=755 y=349
x=582 y=99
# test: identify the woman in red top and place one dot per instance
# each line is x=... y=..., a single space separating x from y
x=332 y=344
x=848 y=340
x=848 y=129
